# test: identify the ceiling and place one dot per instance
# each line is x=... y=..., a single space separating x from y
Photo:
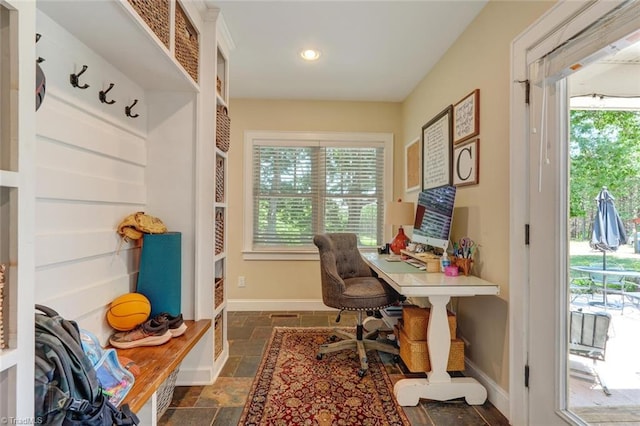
x=374 y=50
x=370 y=50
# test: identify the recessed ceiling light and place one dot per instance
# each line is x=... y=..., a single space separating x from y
x=310 y=54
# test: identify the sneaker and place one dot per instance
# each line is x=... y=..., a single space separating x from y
x=177 y=327
x=149 y=333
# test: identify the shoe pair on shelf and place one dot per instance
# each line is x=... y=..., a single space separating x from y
x=153 y=332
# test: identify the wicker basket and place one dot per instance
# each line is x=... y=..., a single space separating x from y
x=415 y=353
x=165 y=392
x=217 y=335
x=218 y=294
x=223 y=128
x=156 y=15
x=415 y=320
x=219 y=180
x=187 y=44
x=219 y=231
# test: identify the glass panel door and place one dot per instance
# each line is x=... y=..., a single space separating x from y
x=604 y=275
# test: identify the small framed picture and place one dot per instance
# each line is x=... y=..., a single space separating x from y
x=466 y=163
x=412 y=165
x=466 y=117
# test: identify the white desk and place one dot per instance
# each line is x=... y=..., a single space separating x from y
x=439 y=289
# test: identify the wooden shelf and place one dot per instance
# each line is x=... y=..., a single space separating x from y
x=157 y=362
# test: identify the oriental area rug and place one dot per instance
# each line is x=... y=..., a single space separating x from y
x=293 y=387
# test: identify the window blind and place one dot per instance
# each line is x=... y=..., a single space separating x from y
x=312 y=187
x=608 y=35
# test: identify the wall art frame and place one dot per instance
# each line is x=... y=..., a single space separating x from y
x=437 y=149
x=466 y=117
x=412 y=165
x=466 y=163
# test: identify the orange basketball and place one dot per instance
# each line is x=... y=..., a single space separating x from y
x=128 y=310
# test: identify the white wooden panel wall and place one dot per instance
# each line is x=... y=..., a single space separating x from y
x=171 y=177
x=91 y=166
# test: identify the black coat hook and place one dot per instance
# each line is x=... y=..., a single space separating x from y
x=127 y=109
x=40 y=59
x=103 y=95
x=74 y=79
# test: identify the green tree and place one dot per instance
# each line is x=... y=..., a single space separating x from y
x=605 y=151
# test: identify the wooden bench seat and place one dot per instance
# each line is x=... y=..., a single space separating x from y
x=157 y=362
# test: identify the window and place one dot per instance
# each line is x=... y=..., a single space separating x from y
x=302 y=183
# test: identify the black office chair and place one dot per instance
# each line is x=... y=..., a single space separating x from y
x=348 y=284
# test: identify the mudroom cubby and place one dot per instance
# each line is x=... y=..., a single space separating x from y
x=124 y=126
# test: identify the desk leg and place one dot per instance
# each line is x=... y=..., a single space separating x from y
x=439 y=385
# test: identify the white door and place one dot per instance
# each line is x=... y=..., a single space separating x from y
x=539 y=195
x=547 y=245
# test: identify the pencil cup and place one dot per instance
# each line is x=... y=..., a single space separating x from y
x=464 y=264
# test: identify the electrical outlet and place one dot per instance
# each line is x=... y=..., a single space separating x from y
x=241 y=282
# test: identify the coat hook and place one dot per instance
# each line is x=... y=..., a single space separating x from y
x=127 y=109
x=103 y=95
x=40 y=59
x=74 y=79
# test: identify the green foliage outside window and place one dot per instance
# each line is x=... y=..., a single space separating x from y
x=605 y=151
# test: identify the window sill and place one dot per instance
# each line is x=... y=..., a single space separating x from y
x=280 y=255
x=284 y=255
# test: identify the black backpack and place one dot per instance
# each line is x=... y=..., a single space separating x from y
x=67 y=390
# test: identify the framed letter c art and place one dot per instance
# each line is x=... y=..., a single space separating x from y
x=466 y=162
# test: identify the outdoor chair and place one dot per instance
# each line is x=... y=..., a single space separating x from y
x=349 y=285
x=588 y=335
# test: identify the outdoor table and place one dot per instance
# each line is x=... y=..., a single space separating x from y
x=620 y=273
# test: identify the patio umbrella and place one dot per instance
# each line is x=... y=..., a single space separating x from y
x=608 y=229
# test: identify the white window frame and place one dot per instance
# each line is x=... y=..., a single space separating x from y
x=292 y=137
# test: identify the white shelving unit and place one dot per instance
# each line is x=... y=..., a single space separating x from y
x=17 y=135
x=221 y=350
x=114 y=31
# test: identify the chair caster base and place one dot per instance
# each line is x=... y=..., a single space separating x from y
x=319 y=356
x=362 y=372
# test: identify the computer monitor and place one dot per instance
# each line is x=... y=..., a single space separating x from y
x=434 y=214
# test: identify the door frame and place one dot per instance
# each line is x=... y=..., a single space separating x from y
x=571 y=17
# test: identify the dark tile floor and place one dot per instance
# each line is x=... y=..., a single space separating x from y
x=222 y=402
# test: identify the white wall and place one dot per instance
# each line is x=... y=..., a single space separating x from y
x=91 y=161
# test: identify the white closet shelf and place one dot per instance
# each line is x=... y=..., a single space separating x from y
x=8 y=358
x=117 y=33
x=8 y=178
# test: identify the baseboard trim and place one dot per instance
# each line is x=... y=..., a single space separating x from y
x=495 y=394
x=195 y=377
x=276 y=305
